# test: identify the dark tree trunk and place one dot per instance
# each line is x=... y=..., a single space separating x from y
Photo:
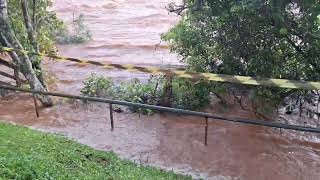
x=8 y=38
x=32 y=35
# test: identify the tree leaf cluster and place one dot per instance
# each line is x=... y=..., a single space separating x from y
x=259 y=38
x=45 y=23
x=185 y=94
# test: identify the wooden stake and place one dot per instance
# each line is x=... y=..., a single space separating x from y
x=206 y=132
x=111 y=116
x=36 y=105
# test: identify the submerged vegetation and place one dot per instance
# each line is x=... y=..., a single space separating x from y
x=77 y=34
x=29 y=154
x=185 y=94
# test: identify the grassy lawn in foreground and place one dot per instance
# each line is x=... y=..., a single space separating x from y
x=29 y=154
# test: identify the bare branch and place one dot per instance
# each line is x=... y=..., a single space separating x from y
x=178 y=9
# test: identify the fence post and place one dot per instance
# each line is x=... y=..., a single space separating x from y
x=111 y=116
x=36 y=105
x=206 y=132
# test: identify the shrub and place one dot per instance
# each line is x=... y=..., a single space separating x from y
x=78 y=34
x=139 y=92
x=190 y=95
x=185 y=94
x=132 y=91
x=98 y=86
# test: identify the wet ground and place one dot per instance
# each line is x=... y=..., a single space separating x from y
x=128 y=32
x=177 y=142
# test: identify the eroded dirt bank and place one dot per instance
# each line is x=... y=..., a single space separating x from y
x=128 y=31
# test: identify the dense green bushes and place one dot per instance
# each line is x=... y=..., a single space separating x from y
x=185 y=94
x=98 y=86
x=190 y=95
x=149 y=92
x=260 y=38
x=134 y=91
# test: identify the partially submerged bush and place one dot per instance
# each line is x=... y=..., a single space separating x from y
x=190 y=95
x=98 y=86
x=132 y=91
x=185 y=94
x=139 y=92
x=78 y=33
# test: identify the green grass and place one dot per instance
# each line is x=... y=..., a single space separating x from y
x=29 y=154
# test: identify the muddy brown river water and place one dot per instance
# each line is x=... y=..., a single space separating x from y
x=126 y=31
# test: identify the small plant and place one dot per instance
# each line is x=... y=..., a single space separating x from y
x=145 y=93
x=190 y=95
x=78 y=33
x=132 y=91
x=98 y=86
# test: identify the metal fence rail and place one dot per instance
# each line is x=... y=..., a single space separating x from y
x=206 y=116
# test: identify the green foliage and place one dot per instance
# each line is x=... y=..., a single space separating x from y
x=78 y=34
x=29 y=154
x=132 y=91
x=260 y=38
x=185 y=94
x=139 y=92
x=46 y=24
x=98 y=86
x=190 y=95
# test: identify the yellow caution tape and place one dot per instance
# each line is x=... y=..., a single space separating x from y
x=282 y=83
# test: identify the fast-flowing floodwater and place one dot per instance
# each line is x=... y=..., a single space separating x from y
x=122 y=32
x=126 y=31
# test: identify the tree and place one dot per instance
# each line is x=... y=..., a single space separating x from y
x=32 y=36
x=260 y=38
x=8 y=38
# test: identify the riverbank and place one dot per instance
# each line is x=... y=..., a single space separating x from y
x=30 y=154
x=129 y=32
